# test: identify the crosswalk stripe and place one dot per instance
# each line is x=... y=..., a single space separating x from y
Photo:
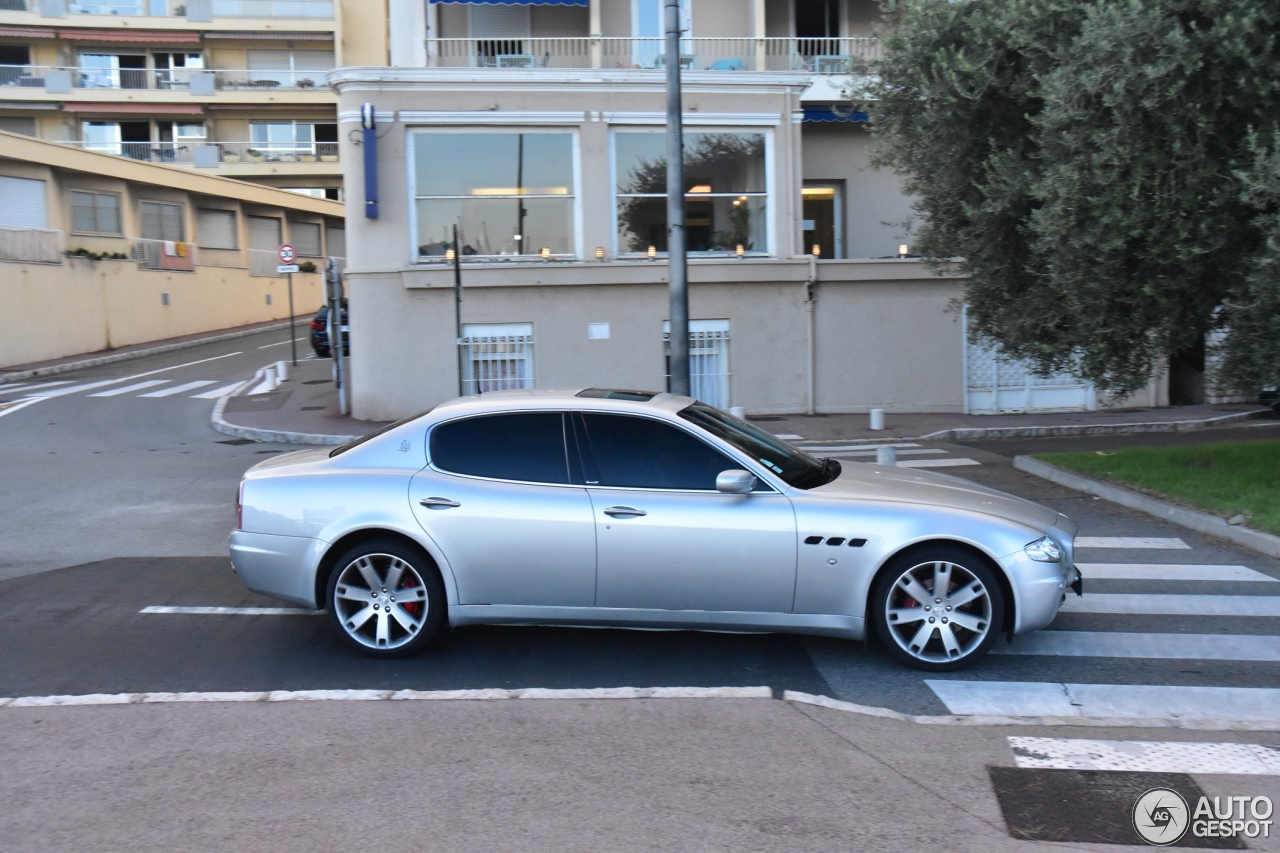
x=224 y=391
x=115 y=392
x=852 y=454
x=1174 y=605
x=178 y=389
x=1169 y=572
x=937 y=463
x=28 y=386
x=1116 y=644
x=1141 y=542
x=1246 y=759
x=1046 y=699
x=233 y=611
x=74 y=389
x=853 y=446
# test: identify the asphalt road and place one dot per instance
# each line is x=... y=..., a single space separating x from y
x=130 y=498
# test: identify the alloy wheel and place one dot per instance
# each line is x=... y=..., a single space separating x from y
x=938 y=611
x=381 y=601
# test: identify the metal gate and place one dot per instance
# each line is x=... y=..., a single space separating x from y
x=995 y=385
x=708 y=360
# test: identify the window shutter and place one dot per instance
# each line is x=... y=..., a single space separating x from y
x=305 y=237
x=108 y=213
x=84 y=212
x=336 y=240
x=171 y=221
x=491 y=21
x=264 y=233
x=313 y=60
x=268 y=60
x=24 y=204
x=18 y=124
x=216 y=229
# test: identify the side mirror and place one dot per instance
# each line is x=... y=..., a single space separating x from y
x=735 y=481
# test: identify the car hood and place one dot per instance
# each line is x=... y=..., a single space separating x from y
x=863 y=480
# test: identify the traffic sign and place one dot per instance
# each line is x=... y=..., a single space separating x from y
x=287 y=253
x=287 y=268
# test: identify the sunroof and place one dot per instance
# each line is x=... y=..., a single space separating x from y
x=618 y=394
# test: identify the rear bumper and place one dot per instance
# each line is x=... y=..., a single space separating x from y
x=282 y=567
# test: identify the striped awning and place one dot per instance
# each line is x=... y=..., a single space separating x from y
x=267 y=35
x=132 y=36
x=27 y=33
x=831 y=114
x=517 y=2
x=134 y=109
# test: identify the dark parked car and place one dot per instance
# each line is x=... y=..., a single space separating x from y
x=320 y=332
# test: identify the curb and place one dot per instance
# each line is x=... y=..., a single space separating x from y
x=1201 y=522
x=971 y=433
x=278 y=436
x=54 y=369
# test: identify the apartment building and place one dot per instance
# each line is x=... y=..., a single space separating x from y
x=234 y=88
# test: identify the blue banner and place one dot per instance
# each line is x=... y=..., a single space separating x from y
x=517 y=2
x=830 y=114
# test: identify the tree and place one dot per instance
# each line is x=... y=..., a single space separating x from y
x=1098 y=167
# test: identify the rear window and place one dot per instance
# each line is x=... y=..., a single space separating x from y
x=618 y=394
x=527 y=446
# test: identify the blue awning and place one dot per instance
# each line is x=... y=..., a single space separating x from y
x=517 y=2
x=829 y=114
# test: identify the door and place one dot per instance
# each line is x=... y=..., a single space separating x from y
x=822 y=226
x=665 y=538
x=497 y=500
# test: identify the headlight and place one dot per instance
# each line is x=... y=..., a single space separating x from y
x=1044 y=551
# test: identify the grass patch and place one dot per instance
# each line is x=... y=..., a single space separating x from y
x=1226 y=479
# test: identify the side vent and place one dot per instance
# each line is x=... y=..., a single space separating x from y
x=836 y=540
x=813 y=540
x=857 y=543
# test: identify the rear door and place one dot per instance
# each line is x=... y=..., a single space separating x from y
x=498 y=499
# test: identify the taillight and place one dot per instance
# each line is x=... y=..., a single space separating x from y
x=240 y=507
x=317 y=326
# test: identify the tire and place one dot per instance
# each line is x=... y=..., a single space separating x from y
x=907 y=586
x=321 y=352
x=366 y=610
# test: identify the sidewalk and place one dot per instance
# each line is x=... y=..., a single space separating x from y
x=305 y=411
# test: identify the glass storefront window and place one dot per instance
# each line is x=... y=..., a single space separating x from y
x=725 y=196
x=510 y=194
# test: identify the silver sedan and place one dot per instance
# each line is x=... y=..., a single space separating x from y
x=637 y=509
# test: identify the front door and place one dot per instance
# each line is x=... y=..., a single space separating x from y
x=666 y=539
x=497 y=500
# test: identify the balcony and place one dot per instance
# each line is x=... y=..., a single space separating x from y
x=811 y=55
x=210 y=154
x=59 y=78
x=304 y=9
x=258 y=81
x=31 y=245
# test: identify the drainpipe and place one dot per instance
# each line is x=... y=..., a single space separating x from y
x=810 y=301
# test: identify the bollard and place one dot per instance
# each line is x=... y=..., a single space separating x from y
x=877 y=418
x=738 y=412
x=887 y=455
x=269 y=378
x=282 y=371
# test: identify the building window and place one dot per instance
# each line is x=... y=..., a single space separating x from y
x=188 y=130
x=112 y=71
x=95 y=212
x=496 y=357
x=300 y=69
x=292 y=141
x=162 y=221
x=726 y=196
x=173 y=70
x=305 y=237
x=708 y=360
x=216 y=229
x=510 y=194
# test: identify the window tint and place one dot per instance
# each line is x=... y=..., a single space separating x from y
x=527 y=447
x=647 y=454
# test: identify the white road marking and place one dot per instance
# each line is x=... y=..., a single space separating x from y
x=937 y=463
x=1169 y=572
x=115 y=392
x=224 y=391
x=395 y=695
x=853 y=454
x=1247 y=759
x=178 y=389
x=1044 y=699
x=1116 y=644
x=234 y=611
x=832 y=448
x=1142 y=542
x=1174 y=605
x=5 y=389
x=280 y=343
x=788 y=436
x=76 y=388
x=10 y=408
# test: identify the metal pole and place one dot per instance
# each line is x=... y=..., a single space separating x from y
x=457 y=304
x=335 y=334
x=677 y=267
x=293 y=337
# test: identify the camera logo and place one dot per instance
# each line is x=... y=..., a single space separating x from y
x=1160 y=817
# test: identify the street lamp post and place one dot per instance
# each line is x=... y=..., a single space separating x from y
x=677 y=267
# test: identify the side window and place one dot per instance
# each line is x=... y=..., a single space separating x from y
x=647 y=454
x=527 y=447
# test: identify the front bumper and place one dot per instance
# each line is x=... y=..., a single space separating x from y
x=282 y=567
x=1039 y=589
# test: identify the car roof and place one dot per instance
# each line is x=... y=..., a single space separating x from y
x=538 y=398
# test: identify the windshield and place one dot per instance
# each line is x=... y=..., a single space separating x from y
x=796 y=467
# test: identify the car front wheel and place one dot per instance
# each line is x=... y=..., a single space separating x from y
x=386 y=598
x=938 y=608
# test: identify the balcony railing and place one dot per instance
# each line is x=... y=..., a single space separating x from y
x=164 y=255
x=31 y=245
x=273 y=8
x=185 y=153
x=36 y=77
x=315 y=9
x=813 y=55
x=269 y=80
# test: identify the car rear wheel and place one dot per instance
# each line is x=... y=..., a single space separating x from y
x=938 y=608
x=386 y=598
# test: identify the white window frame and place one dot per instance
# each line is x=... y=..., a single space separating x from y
x=770 y=183
x=498 y=342
x=411 y=135
x=179 y=126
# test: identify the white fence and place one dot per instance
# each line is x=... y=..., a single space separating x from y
x=822 y=56
x=995 y=385
x=708 y=366
x=31 y=245
x=496 y=363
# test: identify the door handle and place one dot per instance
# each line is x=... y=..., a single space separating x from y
x=438 y=503
x=624 y=512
